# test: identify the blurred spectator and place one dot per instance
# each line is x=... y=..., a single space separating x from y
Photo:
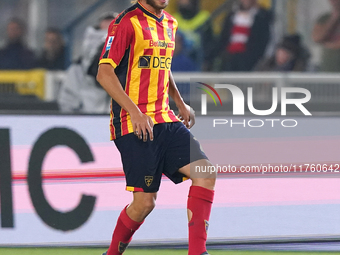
x=93 y=43
x=53 y=56
x=289 y=55
x=196 y=26
x=15 y=55
x=180 y=61
x=80 y=91
x=327 y=33
x=244 y=37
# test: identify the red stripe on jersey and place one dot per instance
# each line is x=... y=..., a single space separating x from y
x=160 y=96
x=124 y=123
x=172 y=116
x=170 y=113
x=112 y=127
x=144 y=90
x=160 y=31
x=162 y=52
x=167 y=100
x=112 y=130
x=145 y=27
x=148 y=52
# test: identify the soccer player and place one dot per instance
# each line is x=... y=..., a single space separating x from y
x=135 y=71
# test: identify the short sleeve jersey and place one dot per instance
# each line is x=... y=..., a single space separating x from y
x=140 y=46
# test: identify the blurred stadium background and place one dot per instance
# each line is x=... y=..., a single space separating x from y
x=75 y=200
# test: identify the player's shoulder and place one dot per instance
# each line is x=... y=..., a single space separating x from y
x=170 y=17
x=123 y=21
x=124 y=17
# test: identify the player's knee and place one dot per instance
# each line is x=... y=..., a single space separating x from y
x=148 y=204
x=208 y=183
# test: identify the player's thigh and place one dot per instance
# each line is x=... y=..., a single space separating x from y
x=142 y=162
x=182 y=149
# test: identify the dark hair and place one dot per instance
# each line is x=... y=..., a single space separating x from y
x=291 y=43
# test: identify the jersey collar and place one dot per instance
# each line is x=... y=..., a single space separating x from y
x=151 y=14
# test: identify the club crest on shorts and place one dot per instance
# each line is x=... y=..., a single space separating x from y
x=148 y=180
x=206 y=226
x=169 y=32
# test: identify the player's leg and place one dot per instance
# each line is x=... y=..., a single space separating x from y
x=130 y=219
x=200 y=201
x=143 y=203
x=143 y=172
x=183 y=152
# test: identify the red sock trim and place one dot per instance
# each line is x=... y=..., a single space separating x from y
x=129 y=223
x=202 y=193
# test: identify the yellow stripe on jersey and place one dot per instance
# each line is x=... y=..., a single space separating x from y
x=153 y=87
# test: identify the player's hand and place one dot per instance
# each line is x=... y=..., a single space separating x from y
x=186 y=115
x=142 y=126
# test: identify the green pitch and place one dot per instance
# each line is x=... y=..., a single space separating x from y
x=85 y=251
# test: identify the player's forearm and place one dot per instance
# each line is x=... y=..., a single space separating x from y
x=111 y=84
x=174 y=93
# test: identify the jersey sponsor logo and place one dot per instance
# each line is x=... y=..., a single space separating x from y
x=161 y=44
x=144 y=62
x=148 y=180
x=109 y=43
x=154 y=62
x=161 y=62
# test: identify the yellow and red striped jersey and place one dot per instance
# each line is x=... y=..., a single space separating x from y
x=140 y=47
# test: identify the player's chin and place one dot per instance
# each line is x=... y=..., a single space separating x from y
x=163 y=3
